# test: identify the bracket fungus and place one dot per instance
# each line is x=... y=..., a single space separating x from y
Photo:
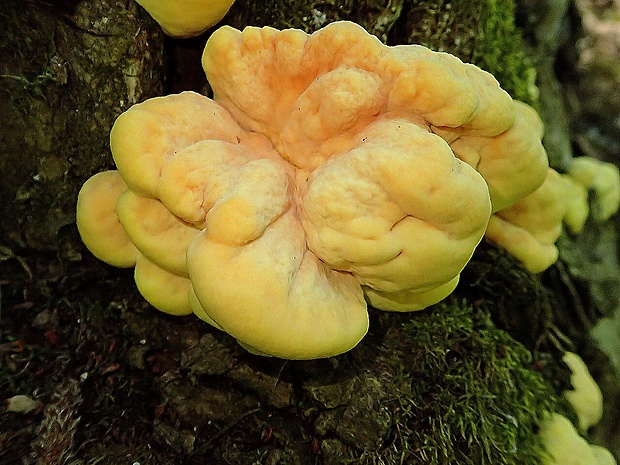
x=328 y=171
x=530 y=227
x=562 y=441
x=585 y=397
x=564 y=446
x=603 y=179
x=186 y=18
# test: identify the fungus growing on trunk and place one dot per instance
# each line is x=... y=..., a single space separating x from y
x=186 y=18
x=327 y=171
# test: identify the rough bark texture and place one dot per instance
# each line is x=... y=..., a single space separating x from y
x=68 y=70
x=463 y=382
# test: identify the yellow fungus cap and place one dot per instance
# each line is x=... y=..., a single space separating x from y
x=329 y=171
x=98 y=224
x=585 y=397
x=186 y=18
x=564 y=446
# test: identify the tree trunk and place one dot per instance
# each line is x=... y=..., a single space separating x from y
x=463 y=382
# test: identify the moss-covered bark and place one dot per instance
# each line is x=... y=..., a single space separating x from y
x=480 y=32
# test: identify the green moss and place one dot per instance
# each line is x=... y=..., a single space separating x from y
x=517 y=300
x=479 y=402
x=481 y=32
x=468 y=396
x=523 y=305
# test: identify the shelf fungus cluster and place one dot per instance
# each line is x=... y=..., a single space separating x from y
x=563 y=442
x=328 y=171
